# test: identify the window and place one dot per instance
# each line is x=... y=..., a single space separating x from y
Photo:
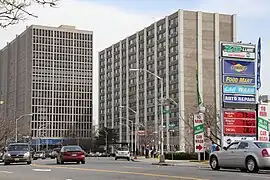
x=233 y=146
x=243 y=145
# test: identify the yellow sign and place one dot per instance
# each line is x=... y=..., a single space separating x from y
x=239 y=68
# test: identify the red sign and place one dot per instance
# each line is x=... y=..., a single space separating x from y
x=240 y=130
x=240 y=122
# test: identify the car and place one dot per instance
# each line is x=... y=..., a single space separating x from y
x=248 y=156
x=39 y=155
x=17 y=153
x=71 y=154
x=122 y=153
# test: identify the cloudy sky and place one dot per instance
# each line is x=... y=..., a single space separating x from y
x=112 y=20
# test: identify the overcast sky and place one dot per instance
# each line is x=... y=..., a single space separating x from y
x=113 y=20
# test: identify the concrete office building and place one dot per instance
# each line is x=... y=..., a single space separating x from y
x=47 y=71
x=170 y=48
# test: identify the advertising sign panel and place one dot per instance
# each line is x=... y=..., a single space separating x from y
x=239 y=89
x=236 y=50
x=238 y=80
x=229 y=98
x=227 y=140
x=263 y=123
x=239 y=122
x=199 y=133
x=232 y=67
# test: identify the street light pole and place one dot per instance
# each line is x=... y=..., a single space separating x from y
x=136 y=121
x=16 y=124
x=162 y=157
x=132 y=128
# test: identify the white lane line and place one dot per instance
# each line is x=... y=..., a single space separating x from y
x=68 y=179
x=42 y=170
x=7 y=172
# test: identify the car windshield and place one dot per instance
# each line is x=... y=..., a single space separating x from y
x=123 y=149
x=18 y=148
x=72 y=148
x=262 y=144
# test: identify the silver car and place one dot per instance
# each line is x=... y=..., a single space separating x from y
x=248 y=156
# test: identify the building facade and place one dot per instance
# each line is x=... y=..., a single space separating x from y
x=47 y=72
x=170 y=48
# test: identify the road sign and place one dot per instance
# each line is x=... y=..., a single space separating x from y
x=199 y=132
x=263 y=123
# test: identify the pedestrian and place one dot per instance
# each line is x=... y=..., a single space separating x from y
x=213 y=147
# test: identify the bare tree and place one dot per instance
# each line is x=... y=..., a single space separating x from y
x=7 y=130
x=14 y=11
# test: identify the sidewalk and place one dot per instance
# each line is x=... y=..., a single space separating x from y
x=186 y=163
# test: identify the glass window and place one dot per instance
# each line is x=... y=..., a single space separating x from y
x=243 y=145
x=233 y=146
x=262 y=144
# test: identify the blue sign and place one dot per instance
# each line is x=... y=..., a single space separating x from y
x=243 y=68
x=238 y=89
x=238 y=80
x=228 y=98
x=259 y=65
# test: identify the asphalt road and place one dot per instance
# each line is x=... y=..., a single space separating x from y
x=109 y=169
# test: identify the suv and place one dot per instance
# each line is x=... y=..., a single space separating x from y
x=16 y=153
x=122 y=153
x=39 y=155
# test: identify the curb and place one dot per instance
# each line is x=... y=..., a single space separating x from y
x=162 y=164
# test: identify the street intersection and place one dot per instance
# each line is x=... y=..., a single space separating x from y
x=108 y=168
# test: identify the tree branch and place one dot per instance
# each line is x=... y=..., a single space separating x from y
x=14 y=11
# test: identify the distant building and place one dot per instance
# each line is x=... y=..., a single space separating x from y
x=47 y=71
x=170 y=48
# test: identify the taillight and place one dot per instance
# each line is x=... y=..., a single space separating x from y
x=80 y=153
x=66 y=154
x=265 y=153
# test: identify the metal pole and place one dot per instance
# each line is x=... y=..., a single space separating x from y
x=106 y=142
x=162 y=158
x=132 y=137
x=136 y=126
x=16 y=131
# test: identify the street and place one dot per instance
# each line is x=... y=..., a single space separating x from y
x=108 y=168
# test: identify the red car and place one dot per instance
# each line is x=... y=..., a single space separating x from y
x=71 y=154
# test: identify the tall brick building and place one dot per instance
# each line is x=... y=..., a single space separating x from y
x=170 y=48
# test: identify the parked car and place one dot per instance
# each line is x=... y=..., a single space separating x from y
x=122 y=153
x=71 y=154
x=16 y=153
x=248 y=156
x=39 y=155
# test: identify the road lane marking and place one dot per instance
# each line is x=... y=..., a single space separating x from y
x=120 y=172
x=7 y=172
x=128 y=167
x=42 y=170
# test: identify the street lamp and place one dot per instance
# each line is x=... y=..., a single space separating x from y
x=132 y=127
x=136 y=121
x=16 y=128
x=162 y=157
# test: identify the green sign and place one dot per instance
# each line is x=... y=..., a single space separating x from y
x=232 y=48
x=263 y=123
x=198 y=129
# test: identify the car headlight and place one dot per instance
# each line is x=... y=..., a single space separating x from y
x=7 y=154
x=27 y=154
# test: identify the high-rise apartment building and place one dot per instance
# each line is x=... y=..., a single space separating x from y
x=170 y=48
x=47 y=72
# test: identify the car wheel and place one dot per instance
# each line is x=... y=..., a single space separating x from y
x=83 y=162
x=78 y=162
x=34 y=158
x=29 y=162
x=214 y=163
x=116 y=159
x=128 y=159
x=57 y=162
x=6 y=163
x=251 y=165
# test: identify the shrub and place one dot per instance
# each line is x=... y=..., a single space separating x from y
x=180 y=156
